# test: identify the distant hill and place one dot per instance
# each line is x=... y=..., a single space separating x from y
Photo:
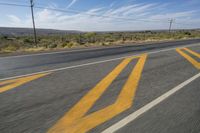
x=13 y=31
x=9 y=31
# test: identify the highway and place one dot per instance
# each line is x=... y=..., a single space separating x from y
x=152 y=88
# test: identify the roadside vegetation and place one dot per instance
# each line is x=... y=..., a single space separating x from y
x=89 y=39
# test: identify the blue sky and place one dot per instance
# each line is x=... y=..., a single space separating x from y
x=118 y=14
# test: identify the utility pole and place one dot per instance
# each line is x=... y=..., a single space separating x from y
x=170 y=25
x=35 y=35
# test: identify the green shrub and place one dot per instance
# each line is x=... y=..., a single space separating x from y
x=52 y=45
x=64 y=44
x=27 y=40
x=68 y=44
x=187 y=33
x=103 y=44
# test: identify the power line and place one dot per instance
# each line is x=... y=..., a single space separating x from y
x=84 y=12
x=92 y=14
x=97 y=15
x=181 y=23
x=14 y=4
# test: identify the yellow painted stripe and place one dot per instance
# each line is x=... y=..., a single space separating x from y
x=192 y=52
x=70 y=123
x=13 y=83
x=89 y=99
x=189 y=58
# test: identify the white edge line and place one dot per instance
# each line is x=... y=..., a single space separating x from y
x=93 y=63
x=58 y=52
x=147 y=107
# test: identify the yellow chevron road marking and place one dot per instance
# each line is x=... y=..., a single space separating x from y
x=13 y=83
x=192 y=52
x=188 y=57
x=74 y=121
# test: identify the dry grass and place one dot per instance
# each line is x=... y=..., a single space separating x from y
x=25 y=43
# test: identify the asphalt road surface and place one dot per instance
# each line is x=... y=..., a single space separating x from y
x=152 y=88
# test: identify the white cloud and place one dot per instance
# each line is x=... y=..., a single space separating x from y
x=112 y=4
x=139 y=9
x=82 y=21
x=14 y=19
x=72 y=3
x=177 y=15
